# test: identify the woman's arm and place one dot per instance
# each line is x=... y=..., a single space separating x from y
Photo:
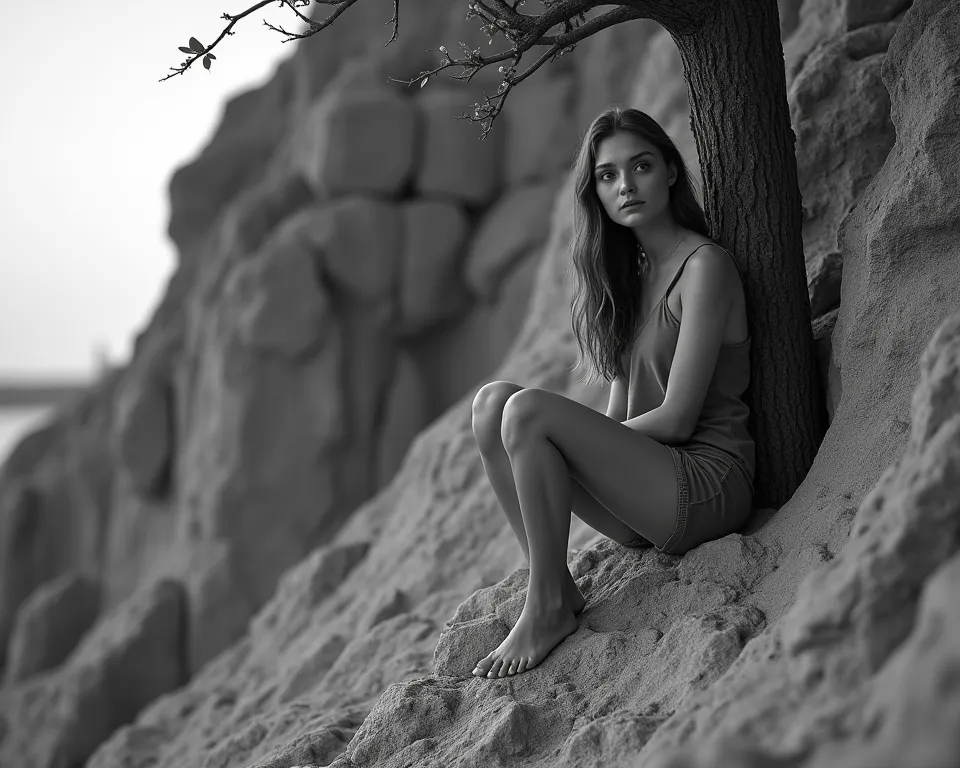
x=659 y=423
x=617 y=405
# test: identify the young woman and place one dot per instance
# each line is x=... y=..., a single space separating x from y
x=659 y=310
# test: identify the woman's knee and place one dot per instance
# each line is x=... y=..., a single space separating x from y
x=521 y=415
x=488 y=409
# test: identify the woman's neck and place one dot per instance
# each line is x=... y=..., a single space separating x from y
x=660 y=243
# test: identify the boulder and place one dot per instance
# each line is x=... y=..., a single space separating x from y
x=26 y=558
x=455 y=359
x=360 y=141
x=358 y=244
x=261 y=207
x=822 y=20
x=302 y=589
x=434 y=242
x=257 y=463
x=219 y=607
x=145 y=433
x=50 y=623
x=518 y=222
x=455 y=165
x=840 y=111
x=281 y=307
x=540 y=139
x=134 y=655
x=242 y=144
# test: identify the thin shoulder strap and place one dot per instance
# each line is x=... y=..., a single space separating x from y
x=677 y=276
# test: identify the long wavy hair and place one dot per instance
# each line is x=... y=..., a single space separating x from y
x=605 y=258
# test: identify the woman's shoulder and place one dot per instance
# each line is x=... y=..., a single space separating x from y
x=698 y=241
x=706 y=244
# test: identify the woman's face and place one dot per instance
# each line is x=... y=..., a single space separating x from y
x=629 y=169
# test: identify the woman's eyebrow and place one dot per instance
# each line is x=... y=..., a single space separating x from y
x=636 y=156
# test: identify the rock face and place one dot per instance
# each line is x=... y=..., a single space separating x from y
x=364 y=142
x=133 y=656
x=54 y=489
x=840 y=111
x=319 y=318
x=50 y=623
x=456 y=167
x=334 y=588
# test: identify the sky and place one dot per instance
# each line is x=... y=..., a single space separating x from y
x=88 y=141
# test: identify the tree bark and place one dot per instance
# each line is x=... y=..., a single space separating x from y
x=734 y=70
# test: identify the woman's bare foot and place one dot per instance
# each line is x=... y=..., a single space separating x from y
x=535 y=634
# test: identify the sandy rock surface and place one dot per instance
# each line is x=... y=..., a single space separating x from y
x=50 y=623
x=431 y=287
x=840 y=111
x=363 y=141
x=457 y=167
x=134 y=655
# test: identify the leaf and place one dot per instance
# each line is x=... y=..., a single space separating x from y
x=187 y=50
x=206 y=62
x=211 y=56
x=196 y=45
x=424 y=82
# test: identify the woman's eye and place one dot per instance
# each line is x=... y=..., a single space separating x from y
x=603 y=176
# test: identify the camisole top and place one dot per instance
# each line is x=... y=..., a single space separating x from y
x=722 y=425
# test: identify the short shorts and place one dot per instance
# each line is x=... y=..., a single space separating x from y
x=715 y=497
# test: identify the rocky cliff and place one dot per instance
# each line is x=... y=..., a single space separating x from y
x=278 y=511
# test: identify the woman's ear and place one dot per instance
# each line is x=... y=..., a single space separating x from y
x=673 y=174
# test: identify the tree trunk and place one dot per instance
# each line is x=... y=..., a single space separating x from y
x=733 y=65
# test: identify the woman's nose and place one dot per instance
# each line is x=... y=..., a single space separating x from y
x=626 y=186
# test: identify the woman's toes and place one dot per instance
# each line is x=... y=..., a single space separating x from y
x=495 y=668
x=522 y=665
x=483 y=666
x=512 y=669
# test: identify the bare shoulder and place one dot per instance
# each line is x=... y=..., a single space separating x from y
x=710 y=268
x=717 y=260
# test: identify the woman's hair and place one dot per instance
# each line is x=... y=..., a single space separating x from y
x=604 y=254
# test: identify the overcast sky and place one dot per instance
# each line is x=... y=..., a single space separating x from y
x=88 y=141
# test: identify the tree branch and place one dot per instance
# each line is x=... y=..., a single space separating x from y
x=339 y=6
x=396 y=22
x=608 y=19
x=233 y=20
x=523 y=32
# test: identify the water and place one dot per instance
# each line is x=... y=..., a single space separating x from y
x=16 y=422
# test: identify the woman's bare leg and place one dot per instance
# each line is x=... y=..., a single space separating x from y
x=487 y=415
x=551 y=440
x=543 y=487
x=487 y=426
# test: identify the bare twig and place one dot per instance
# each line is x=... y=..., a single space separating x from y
x=522 y=32
x=396 y=22
x=339 y=6
x=233 y=20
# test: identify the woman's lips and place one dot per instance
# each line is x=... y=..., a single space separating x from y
x=628 y=206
